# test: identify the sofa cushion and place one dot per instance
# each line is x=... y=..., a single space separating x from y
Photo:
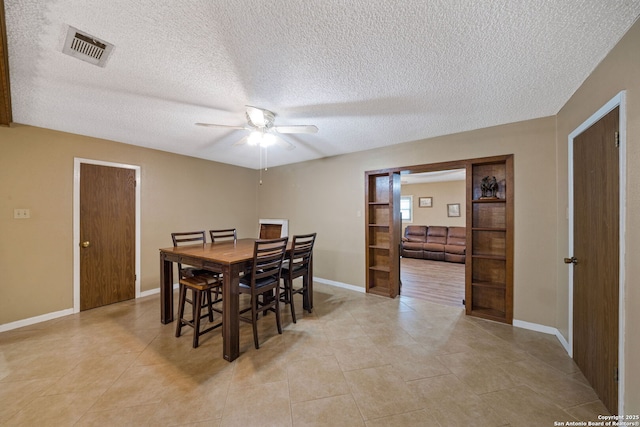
x=455 y=249
x=457 y=236
x=437 y=234
x=433 y=247
x=412 y=246
x=415 y=233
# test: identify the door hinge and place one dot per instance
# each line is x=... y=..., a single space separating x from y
x=616 y=375
x=617 y=140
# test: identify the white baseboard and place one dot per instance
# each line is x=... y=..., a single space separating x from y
x=49 y=316
x=154 y=291
x=339 y=284
x=544 y=329
x=33 y=320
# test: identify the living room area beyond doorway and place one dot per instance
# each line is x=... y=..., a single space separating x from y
x=433 y=199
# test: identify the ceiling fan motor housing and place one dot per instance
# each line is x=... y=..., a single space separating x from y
x=268 y=118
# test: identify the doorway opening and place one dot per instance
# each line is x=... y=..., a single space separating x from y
x=487 y=242
x=431 y=269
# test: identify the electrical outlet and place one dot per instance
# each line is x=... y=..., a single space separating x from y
x=21 y=213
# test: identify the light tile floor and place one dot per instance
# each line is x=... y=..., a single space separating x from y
x=357 y=360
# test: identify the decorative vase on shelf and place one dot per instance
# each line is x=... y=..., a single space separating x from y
x=489 y=187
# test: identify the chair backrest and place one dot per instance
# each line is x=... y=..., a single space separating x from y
x=301 y=251
x=223 y=235
x=268 y=256
x=188 y=238
x=270 y=231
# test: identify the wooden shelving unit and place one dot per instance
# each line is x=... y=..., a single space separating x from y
x=489 y=275
x=382 y=235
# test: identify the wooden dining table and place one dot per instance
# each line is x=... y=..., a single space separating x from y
x=228 y=258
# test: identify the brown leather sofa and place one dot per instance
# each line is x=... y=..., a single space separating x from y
x=435 y=243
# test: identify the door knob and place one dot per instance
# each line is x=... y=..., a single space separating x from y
x=85 y=244
x=573 y=260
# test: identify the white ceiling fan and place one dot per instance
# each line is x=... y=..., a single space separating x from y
x=260 y=123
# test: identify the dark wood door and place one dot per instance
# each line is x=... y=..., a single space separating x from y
x=107 y=235
x=596 y=249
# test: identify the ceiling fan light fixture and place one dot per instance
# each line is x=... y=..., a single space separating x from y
x=267 y=139
x=261 y=138
x=255 y=138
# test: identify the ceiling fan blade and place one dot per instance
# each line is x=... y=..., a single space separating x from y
x=296 y=129
x=242 y=141
x=213 y=125
x=285 y=144
x=257 y=116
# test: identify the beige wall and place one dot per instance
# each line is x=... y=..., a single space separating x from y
x=36 y=171
x=443 y=193
x=327 y=196
x=620 y=70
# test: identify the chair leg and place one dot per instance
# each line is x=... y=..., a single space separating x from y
x=306 y=301
x=209 y=305
x=277 y=307
x=254 y=319
x=183 y=294
x=196 y=319
x=289 y=291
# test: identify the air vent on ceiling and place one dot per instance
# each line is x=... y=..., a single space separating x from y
x=86 y=47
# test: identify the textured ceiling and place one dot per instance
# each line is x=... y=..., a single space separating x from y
x=367 y=73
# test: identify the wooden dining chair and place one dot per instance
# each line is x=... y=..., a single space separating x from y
x=200 y=288
x=224 y=235
x=203 y=285
x=264 y=279
x=297 y=265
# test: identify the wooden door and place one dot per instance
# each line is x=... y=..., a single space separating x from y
x=596 y=250
x=107 y=235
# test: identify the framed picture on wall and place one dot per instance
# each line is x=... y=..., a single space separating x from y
x=453 y=209
x=425 y=202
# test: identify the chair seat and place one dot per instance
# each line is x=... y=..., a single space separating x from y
x=200 y=282
x=245 y=281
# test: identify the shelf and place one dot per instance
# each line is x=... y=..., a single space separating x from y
x=378 y=203
x=494 y=257
x=379 y=225
x=492 y=285
x=384 y=248
x=489 y=201
x=380 y=268
x=490 y=249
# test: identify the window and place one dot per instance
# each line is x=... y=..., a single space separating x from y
x=406 y=208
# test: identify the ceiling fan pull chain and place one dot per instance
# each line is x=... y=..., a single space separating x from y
x=260 y=149
x=266 y=158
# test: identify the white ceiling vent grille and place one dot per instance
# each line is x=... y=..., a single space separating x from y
x=87 y=47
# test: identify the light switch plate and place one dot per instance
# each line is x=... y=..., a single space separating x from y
x=21 y=213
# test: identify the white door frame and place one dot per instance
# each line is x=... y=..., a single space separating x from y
x=617 y=101
x=77 y=161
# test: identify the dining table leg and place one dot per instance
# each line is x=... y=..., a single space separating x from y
x=230 y=308
x=166 y=290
